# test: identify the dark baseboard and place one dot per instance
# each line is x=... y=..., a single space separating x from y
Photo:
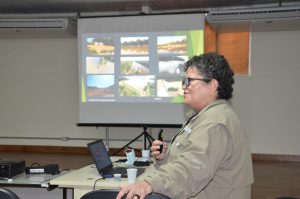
x=275 y=157
x=84 y=151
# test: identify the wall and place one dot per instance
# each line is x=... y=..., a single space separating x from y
x=273 y=105
x=39 y=95
x=39 y=80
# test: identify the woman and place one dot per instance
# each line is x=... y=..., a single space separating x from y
x=209 y=158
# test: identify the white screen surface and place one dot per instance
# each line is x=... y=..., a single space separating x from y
x=131 y=68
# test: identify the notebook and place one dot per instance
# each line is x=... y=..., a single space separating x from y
x=103 y=163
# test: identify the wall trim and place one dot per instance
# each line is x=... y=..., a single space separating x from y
x=275 y=157
x=84 y=151
x=53 y=150
x=43 y=149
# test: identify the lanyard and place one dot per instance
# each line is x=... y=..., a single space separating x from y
x=185 y=128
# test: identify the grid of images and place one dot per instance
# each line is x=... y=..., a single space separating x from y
x=135 y=68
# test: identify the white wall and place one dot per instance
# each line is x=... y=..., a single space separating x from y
x=269 y=100
x=39 y=94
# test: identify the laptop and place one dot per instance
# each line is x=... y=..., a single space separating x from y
x=103 y=163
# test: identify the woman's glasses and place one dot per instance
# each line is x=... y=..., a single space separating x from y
x=186 y=82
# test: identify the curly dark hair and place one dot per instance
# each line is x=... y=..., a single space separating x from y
x=214 y=66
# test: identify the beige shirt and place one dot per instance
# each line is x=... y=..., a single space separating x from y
x=209 y=159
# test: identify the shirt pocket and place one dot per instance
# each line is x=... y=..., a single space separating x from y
x=180 y=142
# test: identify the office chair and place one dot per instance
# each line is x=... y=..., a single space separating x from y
x=103 y=194
x=112 y=194
x=156 y=196
x=7 y=194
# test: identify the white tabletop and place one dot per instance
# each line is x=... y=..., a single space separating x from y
x=86 y=177
x=39 y=180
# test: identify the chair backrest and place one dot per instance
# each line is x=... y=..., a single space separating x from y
x=7 y=194
x=156 y=196
x=112 y=194
x=103 y=194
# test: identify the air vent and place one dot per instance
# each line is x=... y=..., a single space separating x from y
x=252 y=14
x=37 y=27
x=254 y=20
x=33 y=23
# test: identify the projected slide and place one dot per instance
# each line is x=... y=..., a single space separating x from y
x=134 y=45
x=131 y=68
x=100 y=46
x=171 y=65
x=137 y=86
x=136 y=67
x=100 y=86
x=172 y=44
x=100 y=65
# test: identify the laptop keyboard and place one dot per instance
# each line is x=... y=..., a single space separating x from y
x=120 y=170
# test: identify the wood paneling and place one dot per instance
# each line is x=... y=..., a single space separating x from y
x=275 y=179
x=233 y=45
x=210 y=38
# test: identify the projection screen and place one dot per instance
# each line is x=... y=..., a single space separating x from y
x=131 y=68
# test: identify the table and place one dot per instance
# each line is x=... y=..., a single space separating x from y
x=83 y=181
x=33 y=180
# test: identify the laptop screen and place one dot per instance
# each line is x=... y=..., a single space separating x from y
x=100 y=155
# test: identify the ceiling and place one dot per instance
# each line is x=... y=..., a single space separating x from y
x=223 y=15
x=83 y=8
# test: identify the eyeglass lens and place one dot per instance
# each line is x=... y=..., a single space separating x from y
x=186 y=82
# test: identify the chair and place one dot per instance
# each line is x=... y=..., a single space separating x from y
x=112 y=194
x=7 y=194
x=156 y=196
x=100 y=194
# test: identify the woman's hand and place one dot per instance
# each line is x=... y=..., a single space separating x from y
x=138 y=190
x=155 y=149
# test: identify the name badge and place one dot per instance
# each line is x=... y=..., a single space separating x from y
x=187 y=129
x=178 y=145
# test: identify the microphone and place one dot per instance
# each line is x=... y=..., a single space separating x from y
x=160 y=137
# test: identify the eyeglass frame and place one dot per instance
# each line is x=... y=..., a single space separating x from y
x=186 y=82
